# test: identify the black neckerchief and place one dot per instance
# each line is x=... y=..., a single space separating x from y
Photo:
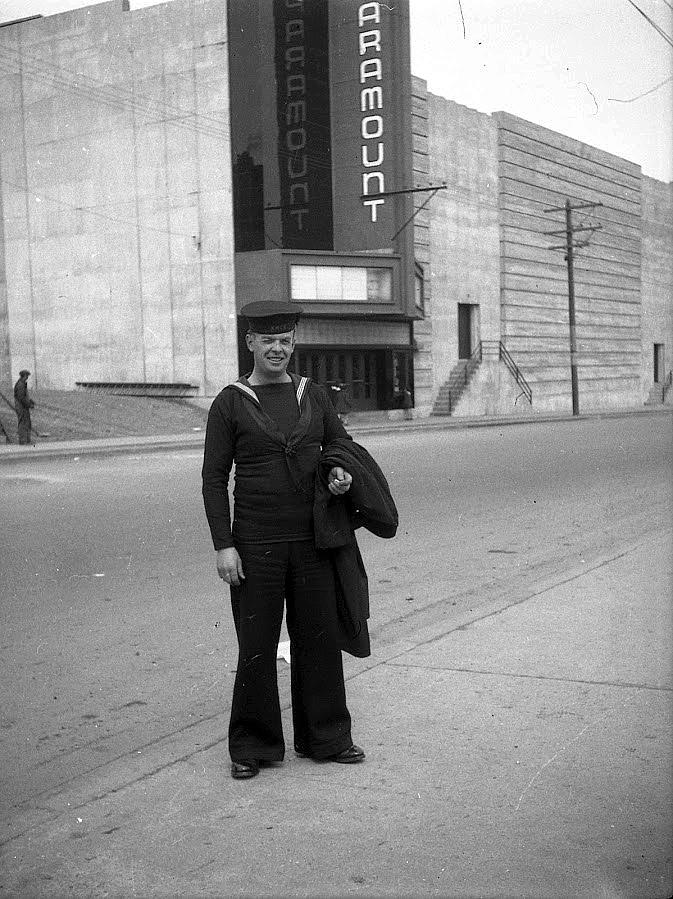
x=267 y=424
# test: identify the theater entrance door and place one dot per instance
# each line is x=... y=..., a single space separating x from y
x=362 y=371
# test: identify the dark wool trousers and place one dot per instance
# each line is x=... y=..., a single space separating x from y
x=297 y=575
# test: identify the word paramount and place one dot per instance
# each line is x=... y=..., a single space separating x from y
x=371 y=103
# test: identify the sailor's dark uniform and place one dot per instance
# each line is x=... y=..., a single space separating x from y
x=274 y=435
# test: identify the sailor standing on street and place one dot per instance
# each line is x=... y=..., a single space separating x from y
x=273 y=425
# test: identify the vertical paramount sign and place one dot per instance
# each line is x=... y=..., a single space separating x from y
x=371 y=105
x=303 y=119
x=371 y=122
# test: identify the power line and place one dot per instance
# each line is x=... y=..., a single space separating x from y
x=81 y=83
x=101 y=94
x=460 y=7
x=87 y=210
x=116 y=98
x=657 y=28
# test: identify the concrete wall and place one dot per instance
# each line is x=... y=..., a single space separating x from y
x=5 y=367
x=464 y=233
x=493 y=390
x=115 y=162
x=116 y=244
x=657 y=276
x=424 y=386
x=539 y=169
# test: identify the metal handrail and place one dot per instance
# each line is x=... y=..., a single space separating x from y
x=516 y=372
x=474 y=356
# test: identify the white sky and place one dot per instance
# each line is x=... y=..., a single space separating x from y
x=560 y=63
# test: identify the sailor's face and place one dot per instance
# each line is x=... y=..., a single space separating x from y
x=271 y=352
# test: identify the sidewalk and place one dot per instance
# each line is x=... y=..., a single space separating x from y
x=520 y=751
x=360 y=424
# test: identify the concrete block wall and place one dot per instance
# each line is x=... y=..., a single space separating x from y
x=464 y=230
x=493 y=390
x=539 y=169
x=5 y=367
x=118 y=238
x=424 y=388
x=657 y=277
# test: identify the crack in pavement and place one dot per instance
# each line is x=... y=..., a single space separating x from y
x=541 y=677
x=395 y=653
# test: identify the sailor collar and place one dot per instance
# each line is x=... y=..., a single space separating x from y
x=243 y=385
x=255 y=411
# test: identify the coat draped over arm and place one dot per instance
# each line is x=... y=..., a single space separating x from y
x=369 y=504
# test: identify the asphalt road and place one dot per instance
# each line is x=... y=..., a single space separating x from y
x=116 y=630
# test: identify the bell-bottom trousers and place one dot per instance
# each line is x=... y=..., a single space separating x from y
x=295 y=575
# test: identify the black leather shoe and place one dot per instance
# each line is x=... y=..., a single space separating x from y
x=349 y=756
x=242 y=770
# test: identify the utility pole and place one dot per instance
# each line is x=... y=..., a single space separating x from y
x=570 y=246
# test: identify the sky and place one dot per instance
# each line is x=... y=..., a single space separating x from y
x=595 y=70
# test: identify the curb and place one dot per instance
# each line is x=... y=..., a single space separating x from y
x=165 y=442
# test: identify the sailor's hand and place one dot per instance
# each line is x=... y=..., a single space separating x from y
x=339 y=481
x=229 y=566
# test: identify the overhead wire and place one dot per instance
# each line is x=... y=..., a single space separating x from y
x=23 y=63
x=114 y=97
x=462 y=18
x=87 y=210
x=657 y=28
x=108 y=93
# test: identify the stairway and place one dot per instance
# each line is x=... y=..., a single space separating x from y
x=451 y=391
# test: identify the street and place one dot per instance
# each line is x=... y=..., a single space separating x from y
x=116 y=632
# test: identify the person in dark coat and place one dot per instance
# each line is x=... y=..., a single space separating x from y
x=23 y=404
x=339 y=394
x=273 y=426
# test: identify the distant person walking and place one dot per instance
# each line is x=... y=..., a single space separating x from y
x=407 y=403
x=339 y=392
x=23 y=404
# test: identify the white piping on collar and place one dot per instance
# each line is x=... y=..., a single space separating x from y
x=247 y=390
x=244 y=388
x=301 y=389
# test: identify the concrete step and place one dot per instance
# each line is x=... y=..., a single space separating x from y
x=452 y=389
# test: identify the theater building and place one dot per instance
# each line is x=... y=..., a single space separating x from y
x=322 y=179
x=162 y=167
